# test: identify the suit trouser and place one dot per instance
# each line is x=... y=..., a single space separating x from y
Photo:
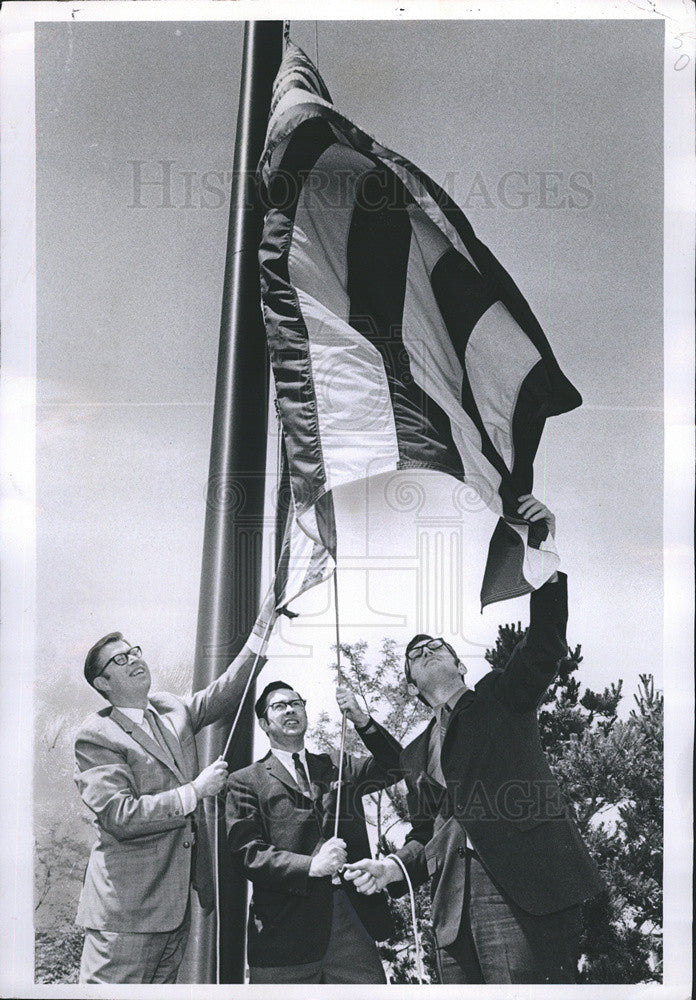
x=499 y=943
x=123 y=957
x=351 y=955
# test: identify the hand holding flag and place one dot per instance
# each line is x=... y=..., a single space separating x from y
x=532 y=509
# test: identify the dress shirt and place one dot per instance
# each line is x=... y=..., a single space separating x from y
x=285 y=758
x=187 y=793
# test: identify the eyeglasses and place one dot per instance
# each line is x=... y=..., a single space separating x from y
x=432 y=645
x=280 y=706
x=122 y=658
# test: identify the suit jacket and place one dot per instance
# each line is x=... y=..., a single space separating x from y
x=273 y=832
x=500 y=788
x=148 y=852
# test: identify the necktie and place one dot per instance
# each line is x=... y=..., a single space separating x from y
x=438 y=735
x=301 y=775
x=160 y=735
x=445 y=713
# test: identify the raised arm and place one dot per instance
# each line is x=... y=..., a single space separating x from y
x=534 y=660
x=223 y=696
x=382 y=768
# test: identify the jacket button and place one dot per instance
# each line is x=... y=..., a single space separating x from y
x=461 y=851
x=187 y=843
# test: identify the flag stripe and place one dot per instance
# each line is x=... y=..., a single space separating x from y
x=350 y=381
x=352 y=398
x=498 y=354
x=481 y=349
x=528 y=425
x=434 y=361
x=378 y=250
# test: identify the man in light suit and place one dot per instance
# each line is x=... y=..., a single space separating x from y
x=490 y=827
x=305 y=926
x=137 y=769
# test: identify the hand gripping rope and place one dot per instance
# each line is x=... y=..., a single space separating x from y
x=393 y=857
x=416 y=935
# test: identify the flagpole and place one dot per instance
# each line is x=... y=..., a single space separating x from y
x=233 y=534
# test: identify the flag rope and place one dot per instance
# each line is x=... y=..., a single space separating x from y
x=286 y=35
x=344 y=724
x=414 y=922
x=216 y=872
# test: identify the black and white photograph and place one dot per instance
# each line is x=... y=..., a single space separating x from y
x=347 y=497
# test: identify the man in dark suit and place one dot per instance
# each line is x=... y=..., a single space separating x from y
x=508 y=867
x=137 y=769
x=304 y=925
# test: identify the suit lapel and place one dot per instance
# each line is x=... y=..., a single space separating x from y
x=457 y=724
x=146 y=742
x=321 y=772
x=321 y=769
x=415 y=756
x=415 y=761
x=279 y=771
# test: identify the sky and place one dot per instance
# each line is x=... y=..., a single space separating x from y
x=548 y=135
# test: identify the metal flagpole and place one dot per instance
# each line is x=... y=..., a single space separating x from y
x=231 y=568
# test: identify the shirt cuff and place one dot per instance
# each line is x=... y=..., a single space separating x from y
x=256 y=644
x=369 y=727
x=189 y=799
x=396 y=868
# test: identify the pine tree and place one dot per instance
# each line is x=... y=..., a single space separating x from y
x=610 y=772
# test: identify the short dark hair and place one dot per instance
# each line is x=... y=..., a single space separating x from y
x=92 y=668
x=260 y=705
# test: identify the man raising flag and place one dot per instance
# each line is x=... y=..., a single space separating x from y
x=491 y=830
x=137 y=769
